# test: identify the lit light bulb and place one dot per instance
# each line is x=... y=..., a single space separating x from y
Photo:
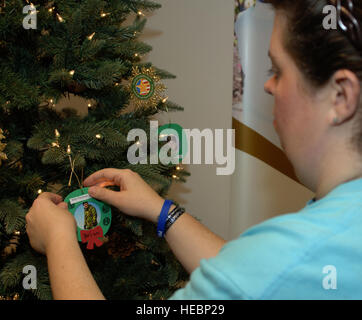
x=140 y=13
x=178 y=168
x=55 y=144
x=104 y=14
x=174 y=176
x=40 y=191
x=60 y=19
x=57 y=134
x=51 y=9
x=69 y=151
x=164 y=100
x=136 y=55
x=71 y=72
x=98 y=136
x=90 y=37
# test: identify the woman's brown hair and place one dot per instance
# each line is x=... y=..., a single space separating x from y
x=318 y=52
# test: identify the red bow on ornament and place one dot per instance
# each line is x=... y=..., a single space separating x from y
x=92 y=237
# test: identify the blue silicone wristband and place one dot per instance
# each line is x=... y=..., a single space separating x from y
x=163 y=217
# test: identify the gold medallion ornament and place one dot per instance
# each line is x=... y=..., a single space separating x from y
x=2 y=147
x=145 y=88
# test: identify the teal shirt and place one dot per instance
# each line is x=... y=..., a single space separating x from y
x=315 y=253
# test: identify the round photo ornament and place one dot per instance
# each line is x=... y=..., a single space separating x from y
x=93 y=217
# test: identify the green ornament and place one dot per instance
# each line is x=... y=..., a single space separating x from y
x=93 y=217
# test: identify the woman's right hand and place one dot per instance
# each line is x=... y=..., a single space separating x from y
x=135 y=198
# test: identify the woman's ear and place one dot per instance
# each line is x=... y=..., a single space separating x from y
x=346 y=92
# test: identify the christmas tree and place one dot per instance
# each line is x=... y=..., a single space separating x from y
x=55 y=50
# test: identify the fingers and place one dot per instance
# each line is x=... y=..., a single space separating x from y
x=101 y=176
x=55 y=198
x=103 y=194
x=107 y=177
x=63 y=205
x=105 y=184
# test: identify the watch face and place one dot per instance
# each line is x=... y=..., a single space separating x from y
x=92 y=216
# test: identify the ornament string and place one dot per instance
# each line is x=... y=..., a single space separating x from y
x=72 y=167
x=71 y=161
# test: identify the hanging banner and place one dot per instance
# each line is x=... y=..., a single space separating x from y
x=264 y=183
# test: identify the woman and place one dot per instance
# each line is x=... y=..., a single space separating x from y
x=313 y=254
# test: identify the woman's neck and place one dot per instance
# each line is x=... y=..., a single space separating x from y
x=341 y=168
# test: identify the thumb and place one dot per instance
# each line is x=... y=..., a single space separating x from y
x=106 y=195
x=63 y=205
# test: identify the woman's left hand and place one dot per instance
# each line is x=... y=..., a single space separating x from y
x=48 y=222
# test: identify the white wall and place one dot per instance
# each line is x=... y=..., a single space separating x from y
x=193 y=39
